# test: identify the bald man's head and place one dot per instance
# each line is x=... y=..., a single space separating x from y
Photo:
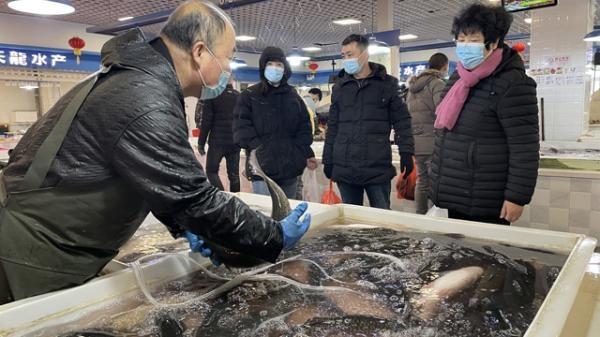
x=194 y=21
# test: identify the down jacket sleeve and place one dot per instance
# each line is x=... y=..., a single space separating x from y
x=518 y=114
x=154 y=156
x=332 y=127
x=401 y=121
x=206 y=121
x=244 y=133
x=304 y=136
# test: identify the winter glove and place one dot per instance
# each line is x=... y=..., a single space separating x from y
x=406 y=163
x=202 y=149
x=293 y=228
x=328 y=169
x=197 y=246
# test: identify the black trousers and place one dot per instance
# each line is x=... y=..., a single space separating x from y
x=5 y=295
x=232 y=159
x=493 y=220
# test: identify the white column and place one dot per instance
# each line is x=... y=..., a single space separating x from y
x=384 y=19
x=558 y=63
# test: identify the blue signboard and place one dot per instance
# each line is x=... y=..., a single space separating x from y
x=47 y=58
x=410 y=69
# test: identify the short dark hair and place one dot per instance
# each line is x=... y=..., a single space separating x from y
x=361 y=41
x=492 y=21
x=316 y=91
x=438 y=61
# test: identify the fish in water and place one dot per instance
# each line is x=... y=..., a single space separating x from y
x=169 y=326
x=279 y=210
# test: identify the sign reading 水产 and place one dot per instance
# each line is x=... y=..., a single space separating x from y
x=46 y=58
x=23 y=59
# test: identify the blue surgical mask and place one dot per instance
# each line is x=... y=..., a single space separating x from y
x=211 y=92
x=274 y=74
x=470 y=54
x=351 y=66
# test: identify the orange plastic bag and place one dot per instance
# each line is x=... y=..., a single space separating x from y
x=329 y=197
x=405 y=187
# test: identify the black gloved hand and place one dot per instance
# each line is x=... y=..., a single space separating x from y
x=406 y=163
x=202 y=149
x=327 y=169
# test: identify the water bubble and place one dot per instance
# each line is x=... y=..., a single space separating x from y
x=347 y=321
x=393 y=298
x=347 y=249
x=263 y=313
x=356 y=247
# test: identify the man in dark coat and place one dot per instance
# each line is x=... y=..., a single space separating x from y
x=217 y=125
x=65 y=210
x=271 y=117
x=365 y=106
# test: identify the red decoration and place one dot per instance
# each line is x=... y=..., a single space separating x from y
x=519 y=47
x=77 y=44
x=313 y=68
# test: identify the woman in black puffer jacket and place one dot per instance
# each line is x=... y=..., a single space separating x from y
x=486 y=155
x=272 y=118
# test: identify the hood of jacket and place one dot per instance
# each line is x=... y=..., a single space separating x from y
x=274 y=54
x=418 y=83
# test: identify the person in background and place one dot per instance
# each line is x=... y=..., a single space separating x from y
x=115 y=147
x=217 y=125
x=271 y=118
x=365 y=105
x=424 y=95
x=486 y=153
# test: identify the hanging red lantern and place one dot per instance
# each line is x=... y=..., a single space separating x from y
x=313 y=67
x=77 y=44
x=519 y=47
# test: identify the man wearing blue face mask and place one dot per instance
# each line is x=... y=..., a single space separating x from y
x=272 y=118
x=116 y=147
x=365 y=106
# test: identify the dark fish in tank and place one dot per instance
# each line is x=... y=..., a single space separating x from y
x=168 y=326
x=279 y=210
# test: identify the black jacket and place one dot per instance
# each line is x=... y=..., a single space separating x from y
x=275 y=120
x=492 y=154
x=361 y=117
x=217 y=119
x=133 y=126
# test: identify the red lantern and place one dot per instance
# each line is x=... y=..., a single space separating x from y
x=77 y=44
x=519 y=47
x=313 y=67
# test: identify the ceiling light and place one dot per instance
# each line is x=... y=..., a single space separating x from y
x=593 y=36
x=377 y=47
x=42 y=7
x=311 y=49
x=29 y=86
x=125 y=18
x=347 y=22
x=528 y=20
x=407 y=37
x=295 y=57
x=237 y=63
x=245 y=38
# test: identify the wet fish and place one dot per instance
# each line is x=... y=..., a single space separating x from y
x=169 y=326
x=279 y=210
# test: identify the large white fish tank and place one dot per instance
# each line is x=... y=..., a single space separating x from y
x=321 y=288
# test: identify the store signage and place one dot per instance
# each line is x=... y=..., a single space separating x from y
x=411 y=69
x=46 y=58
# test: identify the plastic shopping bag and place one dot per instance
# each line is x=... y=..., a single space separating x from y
x=329 y=197
x=405 y=187
x=310 y=186
x=437 y=212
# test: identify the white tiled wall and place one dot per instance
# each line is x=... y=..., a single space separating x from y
x=558 y=32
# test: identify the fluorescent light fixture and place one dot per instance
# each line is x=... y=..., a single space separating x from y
x=295 y=57
x=529 y=43
x=593 y=36
x=29 y=86
x=237 y=63
x=407 y=37
x=378 y=47
x=528 y=20
x=245 y=38
x=42 y=7
x=311 y=49
x=347 y=22
x=125 y=18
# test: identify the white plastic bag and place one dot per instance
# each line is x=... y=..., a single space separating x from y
x=437 y=212
x=310 y=188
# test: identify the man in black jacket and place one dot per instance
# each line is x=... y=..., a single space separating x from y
x=272 y=118
x=216 y=124
x=365 y=105
x=65 y=210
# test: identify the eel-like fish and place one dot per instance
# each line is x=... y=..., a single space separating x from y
x=279 y=210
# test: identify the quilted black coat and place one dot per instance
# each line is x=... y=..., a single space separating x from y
x=133 y=126
x=492 y=154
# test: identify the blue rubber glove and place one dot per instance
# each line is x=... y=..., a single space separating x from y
x=293 y=228
x=197 y=246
